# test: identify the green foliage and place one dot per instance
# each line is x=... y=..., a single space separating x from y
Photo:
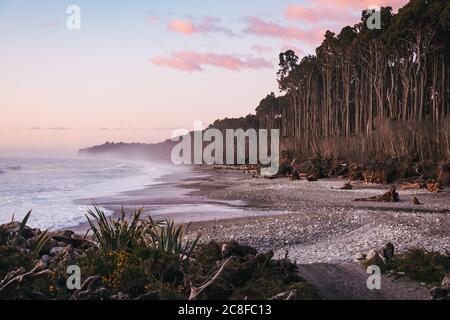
x=39 y=244
x=139 y=256
x=11 y=258
x=119 y=234
x=23 y=224
x=167 y=239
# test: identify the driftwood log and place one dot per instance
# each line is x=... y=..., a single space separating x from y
x=433 y=186
x=412 y=186
x=195 y=291
x=390 y=196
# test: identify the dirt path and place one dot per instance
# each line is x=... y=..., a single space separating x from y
x=347 y=281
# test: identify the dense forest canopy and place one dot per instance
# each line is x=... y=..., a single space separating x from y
x=376 y=92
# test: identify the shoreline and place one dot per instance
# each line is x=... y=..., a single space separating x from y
x=179 y=199
x=315 y=222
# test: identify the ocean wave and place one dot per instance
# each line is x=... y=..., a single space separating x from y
x=10 y=168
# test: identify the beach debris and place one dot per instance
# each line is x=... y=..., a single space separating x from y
x=388 y=250
x=376 y=256
x=16 y=278
x=390 y=196
x=340 y=169
x=433 y=186
x=347 y=186
x=196 y=290
x=446 y=282
x=375 y=176
x=358 y=257
x=412 y=186
x=416 y=201
x=287 y=295
x=294 y=176
x=311 y=178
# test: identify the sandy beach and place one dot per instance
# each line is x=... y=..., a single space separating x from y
x=314 y=221
x=317 y=224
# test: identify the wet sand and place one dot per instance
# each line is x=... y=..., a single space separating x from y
x=179 y=196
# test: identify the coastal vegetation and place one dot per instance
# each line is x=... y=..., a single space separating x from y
x=138 y=259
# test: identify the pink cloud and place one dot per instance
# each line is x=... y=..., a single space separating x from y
x=180 y=26
x=194 y=61
x=338 y=11
x=315 y=13
x=362 y=4
x=259 y=27
x=206 y=25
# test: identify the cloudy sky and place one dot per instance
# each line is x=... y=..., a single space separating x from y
x=136 y=70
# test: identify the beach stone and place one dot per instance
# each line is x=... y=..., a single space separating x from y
x=388 y=250
x=375 y=258
x=55 y=250
x=359 y=257
x=45 y=258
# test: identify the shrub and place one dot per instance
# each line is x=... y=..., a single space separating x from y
x=119 y=234
x=422 y=265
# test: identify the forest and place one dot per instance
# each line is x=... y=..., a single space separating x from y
x=366 y=94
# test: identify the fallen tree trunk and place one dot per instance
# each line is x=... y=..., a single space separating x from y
x=390 y=196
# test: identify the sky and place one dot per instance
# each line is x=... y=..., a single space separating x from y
x=137 y=70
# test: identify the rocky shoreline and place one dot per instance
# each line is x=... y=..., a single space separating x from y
x=137 y=259
x=322 y=222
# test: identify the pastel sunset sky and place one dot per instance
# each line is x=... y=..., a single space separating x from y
x=136 y=70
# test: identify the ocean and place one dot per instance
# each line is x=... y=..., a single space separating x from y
x=50 y=187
